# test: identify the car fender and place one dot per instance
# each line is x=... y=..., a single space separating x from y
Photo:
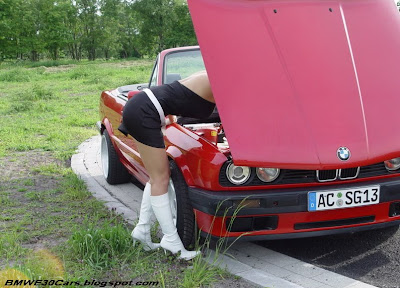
x=107 y=125
x=176 y=155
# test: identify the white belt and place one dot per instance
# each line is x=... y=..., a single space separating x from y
x=157 y=105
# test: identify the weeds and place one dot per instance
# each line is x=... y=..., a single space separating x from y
x=40 y=93
x=5 y=200
x=99 y=247
x=50 y=170
x=20 y=107
x=74 y=188
x=79 y=73
x=28 y=182
x=202 y=273
x=10 y=245
x=52 y=63
x=33 y=195
x=16 y=75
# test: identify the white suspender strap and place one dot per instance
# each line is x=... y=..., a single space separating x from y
x=156 y=104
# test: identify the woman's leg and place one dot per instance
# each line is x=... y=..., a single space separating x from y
x=159 y=177
x=156 y=163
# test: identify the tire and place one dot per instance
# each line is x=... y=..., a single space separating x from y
x=113 y=170
x=182 y=210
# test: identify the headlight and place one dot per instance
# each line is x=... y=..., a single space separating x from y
x=237 y=174
x=392 y=164
x=267 y=174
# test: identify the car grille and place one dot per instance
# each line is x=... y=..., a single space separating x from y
x=349 y=173
x=326 y=175
x=310 y=176
x=332 y=175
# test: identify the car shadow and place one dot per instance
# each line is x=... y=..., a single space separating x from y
x=354 y=255
x=136 y=182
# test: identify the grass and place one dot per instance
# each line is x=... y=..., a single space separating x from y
x=43 y=107
x=101 y=247
x=50 y=225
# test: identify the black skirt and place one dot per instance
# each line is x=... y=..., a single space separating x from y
x=141 y=120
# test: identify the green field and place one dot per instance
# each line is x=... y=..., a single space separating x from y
x=50 y=225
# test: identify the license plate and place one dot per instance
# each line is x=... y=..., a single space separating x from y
x=343 y=198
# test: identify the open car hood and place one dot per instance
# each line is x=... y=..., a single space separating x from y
x=296 y=80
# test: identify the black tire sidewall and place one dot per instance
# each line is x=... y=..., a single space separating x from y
x=117 y=173
x=185 y=216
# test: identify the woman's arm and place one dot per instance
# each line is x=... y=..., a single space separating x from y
x=199 y=84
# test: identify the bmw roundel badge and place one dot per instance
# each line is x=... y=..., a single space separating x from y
x=343 y=153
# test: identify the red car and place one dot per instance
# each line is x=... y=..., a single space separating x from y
x=305 y=141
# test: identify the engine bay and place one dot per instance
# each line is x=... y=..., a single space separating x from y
x=213 y=132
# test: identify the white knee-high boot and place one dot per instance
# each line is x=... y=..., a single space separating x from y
x=170 y=240
x=141 y=232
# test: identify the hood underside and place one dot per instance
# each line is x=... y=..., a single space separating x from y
x=296 y=80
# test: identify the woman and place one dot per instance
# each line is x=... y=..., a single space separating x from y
x=143 y=118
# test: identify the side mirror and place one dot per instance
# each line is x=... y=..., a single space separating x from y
x=132 y=93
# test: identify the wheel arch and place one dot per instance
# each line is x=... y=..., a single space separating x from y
x=115 y=172
x=106 y=125
x=177 y=156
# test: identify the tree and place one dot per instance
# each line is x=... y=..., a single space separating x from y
x=89 y=16
x=155 y=18
x=110 y=23
x=6 y=29
x=129 y=29
x=54 y=29
x=29 y=31
x=92 y=28
x=182 y=32
x=74 y=30
x=20 y=29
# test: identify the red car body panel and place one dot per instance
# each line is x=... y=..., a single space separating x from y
x=196 y=155
x=312 y=75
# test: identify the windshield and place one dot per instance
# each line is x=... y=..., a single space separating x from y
x=179 y=65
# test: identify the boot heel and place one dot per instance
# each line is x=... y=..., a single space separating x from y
x=188 y=255
x=147 y=246
x=167 y=252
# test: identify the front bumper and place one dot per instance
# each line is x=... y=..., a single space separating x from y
x=283 y=213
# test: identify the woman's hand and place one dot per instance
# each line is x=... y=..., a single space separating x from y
x=170 y=119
